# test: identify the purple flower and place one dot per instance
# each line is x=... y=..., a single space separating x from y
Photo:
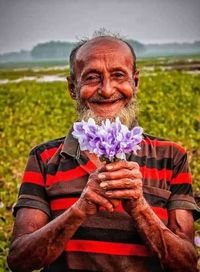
x=197 y=241
x=110 y=141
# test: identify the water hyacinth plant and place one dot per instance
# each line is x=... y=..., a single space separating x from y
x=110 y=141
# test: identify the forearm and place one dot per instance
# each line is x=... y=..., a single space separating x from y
x=175 y=253
x=42 y=247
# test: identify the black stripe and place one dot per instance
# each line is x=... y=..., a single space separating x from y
x=56 y=213
x=155 y=200
x=181 y=166
x=151 y=137
x=166 y=163
x=59 y=265
x=107 y=235
x=180 y=189
x=63 y=165
x=64 y=195
x=33 y=189
x=47 y=145
x=68 y=164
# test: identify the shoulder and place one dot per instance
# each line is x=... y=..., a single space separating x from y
x=46 y=150
x=162 y=145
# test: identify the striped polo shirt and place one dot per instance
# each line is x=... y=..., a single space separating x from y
x=55 y=176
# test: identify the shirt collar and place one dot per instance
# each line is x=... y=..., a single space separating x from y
x=70 y=146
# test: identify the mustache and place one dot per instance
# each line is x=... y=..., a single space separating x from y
x=101 y=99
x=127 y=115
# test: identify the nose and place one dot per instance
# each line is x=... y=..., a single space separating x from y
x=107 y=88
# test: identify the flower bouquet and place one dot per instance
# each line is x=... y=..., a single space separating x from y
x=110 y=141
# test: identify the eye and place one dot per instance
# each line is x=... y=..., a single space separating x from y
x=118 y=74
x=92 y=78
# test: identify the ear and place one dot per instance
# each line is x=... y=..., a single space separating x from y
x=136 y=80
x=72 y=87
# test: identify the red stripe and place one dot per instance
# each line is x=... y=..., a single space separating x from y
x=65 y=203
x=158 y=143
x=107 y=248
x=33 y=177
x=62 y=203
x=48 y=153
x=70 y=174
x=89 y=167
x=153 y=173
x=160 y=212
x=182 y=178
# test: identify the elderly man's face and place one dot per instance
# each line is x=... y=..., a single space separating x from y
x=105 y=80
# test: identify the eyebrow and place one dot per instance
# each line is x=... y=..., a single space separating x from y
x=94 y=70
x=114 y=69
x=90 y=70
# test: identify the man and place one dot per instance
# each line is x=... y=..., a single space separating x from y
x=75 y=213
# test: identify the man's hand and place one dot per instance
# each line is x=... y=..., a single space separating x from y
x=122 y=180
x=93 y=196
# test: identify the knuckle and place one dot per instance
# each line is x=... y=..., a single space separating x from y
x=128 y=182
x=104 y=201
x=124 y=163
x=136 y=173
x=139 y=174
x=88 y=195
x=134 y=165
x=93 y=176
x=129 y=174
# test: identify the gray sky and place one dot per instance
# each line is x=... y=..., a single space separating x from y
x=24 y=23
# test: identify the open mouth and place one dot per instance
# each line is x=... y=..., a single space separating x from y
x=107 y=107
x=106 y=102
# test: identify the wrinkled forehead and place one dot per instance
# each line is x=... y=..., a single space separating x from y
x=98 y=48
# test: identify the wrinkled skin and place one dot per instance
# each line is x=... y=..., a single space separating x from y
x=106 y=83
x=124 y=182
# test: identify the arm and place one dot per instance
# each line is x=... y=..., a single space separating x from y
x=38 y=242
x=173 y=244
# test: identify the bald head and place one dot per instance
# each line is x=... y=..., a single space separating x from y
x=100 y=45
x=104 y=82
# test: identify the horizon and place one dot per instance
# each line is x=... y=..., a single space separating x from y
x=67 y=41
x=149 y=22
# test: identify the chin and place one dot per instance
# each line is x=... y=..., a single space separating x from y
x=125 y=117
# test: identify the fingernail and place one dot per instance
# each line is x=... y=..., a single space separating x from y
x=101 y=176
x=108 y=193
x=103 y=184
x=109 y=167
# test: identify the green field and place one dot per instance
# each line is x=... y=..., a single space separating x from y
x=33 y=112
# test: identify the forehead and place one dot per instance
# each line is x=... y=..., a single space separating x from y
x=100 y=51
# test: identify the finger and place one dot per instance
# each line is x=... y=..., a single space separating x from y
x=124 y=194
x=97 y=199
x=102 y=168
x=125 y=183
x=120 y=174
x=114 y=166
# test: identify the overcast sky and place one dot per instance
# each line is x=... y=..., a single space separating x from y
x=24 y=23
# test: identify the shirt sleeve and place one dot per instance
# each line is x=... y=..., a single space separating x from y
x=181 y=184
x=32 y=193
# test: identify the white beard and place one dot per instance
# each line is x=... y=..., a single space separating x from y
x=127 y=115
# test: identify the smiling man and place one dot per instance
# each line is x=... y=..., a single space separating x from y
x=74 y=213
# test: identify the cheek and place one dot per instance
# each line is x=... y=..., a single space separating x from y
x=127 y=89
x=87 y=92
